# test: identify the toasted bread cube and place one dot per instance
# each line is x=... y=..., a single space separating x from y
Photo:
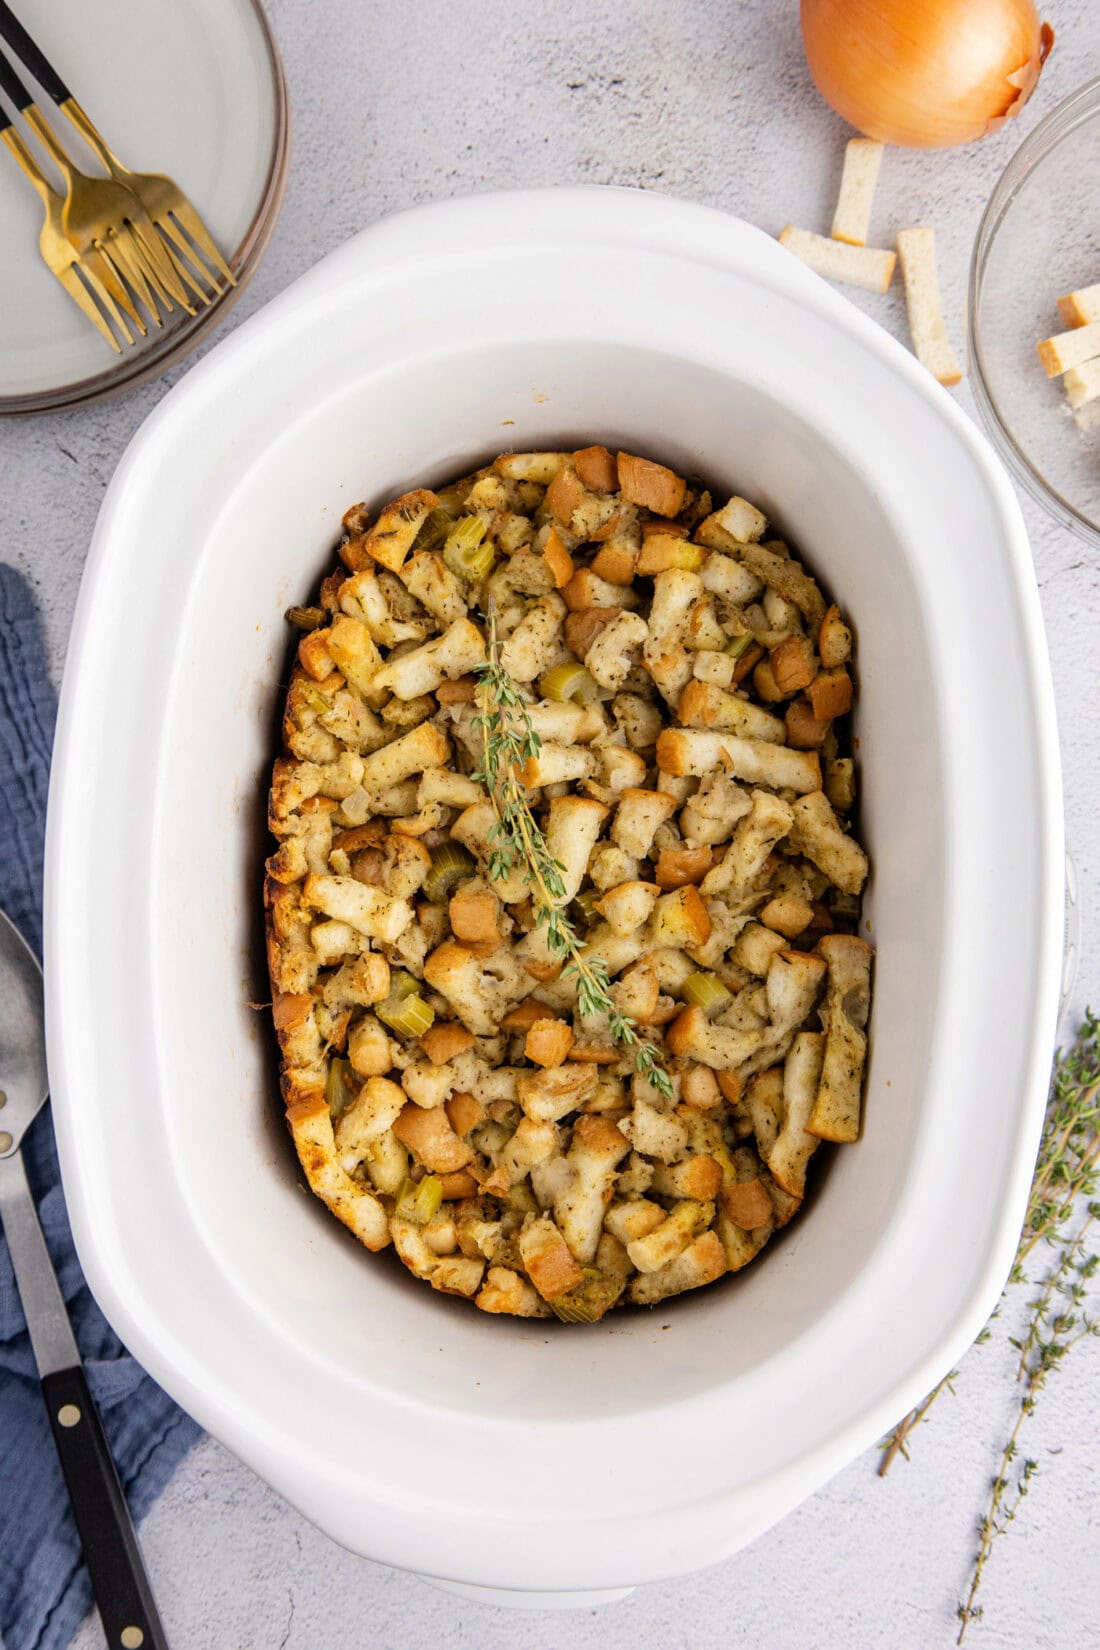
x=767 y=822
x=627 y=907
x=361 y=1212
x=701 y=1263
x=571 y=832
x=548 y=1095
x=653 y=486
x=671 y=1237
x=581 y=629
x=597 y=469
x=431 y=1139
x=1079 y=308
x=681 y=919
x=548 y=1042
x=705 y=705
x=691 y=1036
x=834 y=639
x=537 y=467
x=816 y=832
x=366 y=909
x=862 y=159
x=654 y=1134
x=565 y=494
x=1082 y=383
x=370 y=1051
x=836 y=1110
x=747 y=1204
x=525 y=1015
x=868 y=267
x=547 y=1260
x=464 y=1112
x=475 y=919
x=794 y=1145
x=917 y=251
x=616 y=562
x=615 y=651
x=698 y=1178
x=505 y=1291
x=558 y=559
x=755 y=947
x=595 y=1151
x=1069 y=349
x=763 y=1100
x=788 y=914
x=446 y=1041
x=393 y=534
x=830 y=694
x=804 y=731
x=633 y=1219
x=699 y=1088
x=679 y=866
x=637 y=817
x=793 y=664
x=683 y=751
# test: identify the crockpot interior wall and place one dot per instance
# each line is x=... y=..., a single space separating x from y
x=358 y=1311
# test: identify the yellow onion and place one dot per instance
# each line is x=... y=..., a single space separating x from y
x=925 y=74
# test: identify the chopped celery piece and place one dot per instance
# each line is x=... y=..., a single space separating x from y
x=464 y=551
x=418 y=1201
x=707 y=992
x=315 y=699
x=409 y=1017
x=450 y=502
x=451 y=864
x=338 y=1090
x=739 y=645
x=589 y=1300
x=569 y=681
x=437 y=524
x=585 y=906
x=306 y=618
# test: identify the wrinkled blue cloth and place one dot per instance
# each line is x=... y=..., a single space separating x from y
x=44 y=1590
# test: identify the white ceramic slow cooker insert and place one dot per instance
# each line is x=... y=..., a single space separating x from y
x=412 y=1428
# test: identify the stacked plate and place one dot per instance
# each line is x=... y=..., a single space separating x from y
x=191 y=88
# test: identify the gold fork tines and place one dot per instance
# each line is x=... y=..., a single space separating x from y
x=102 y=219
x=167 y=207
x=60 y=255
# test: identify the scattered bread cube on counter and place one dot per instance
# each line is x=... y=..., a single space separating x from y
x=851 y=220
x=917 y=251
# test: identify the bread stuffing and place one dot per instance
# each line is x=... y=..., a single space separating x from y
x=563 y=912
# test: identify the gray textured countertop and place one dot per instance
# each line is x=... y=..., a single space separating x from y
x=708 y=99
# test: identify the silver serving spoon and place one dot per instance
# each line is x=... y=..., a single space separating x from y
x=111 y=1552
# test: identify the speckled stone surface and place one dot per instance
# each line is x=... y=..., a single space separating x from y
x=707 y=99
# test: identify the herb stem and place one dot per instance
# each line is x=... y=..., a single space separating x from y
x=509 y=740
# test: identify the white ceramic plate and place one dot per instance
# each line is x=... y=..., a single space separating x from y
x=191 y=88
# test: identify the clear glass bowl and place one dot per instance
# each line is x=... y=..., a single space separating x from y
x=1039 y=238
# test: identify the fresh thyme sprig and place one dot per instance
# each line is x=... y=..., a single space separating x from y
x=509 y=741
x=1062 y=1210
x=1066 y=1170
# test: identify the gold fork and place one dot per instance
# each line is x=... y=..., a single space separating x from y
x=105 y=225
x=58 y=252
x=163 y=202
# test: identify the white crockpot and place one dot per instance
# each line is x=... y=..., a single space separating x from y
x=494 y=1452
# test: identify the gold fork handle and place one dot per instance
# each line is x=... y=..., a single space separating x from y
x=91 y=136
x=10 y=137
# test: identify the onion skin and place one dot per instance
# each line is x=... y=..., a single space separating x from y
x=925 y=74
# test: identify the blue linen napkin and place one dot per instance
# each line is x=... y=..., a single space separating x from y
x=44 y=1590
